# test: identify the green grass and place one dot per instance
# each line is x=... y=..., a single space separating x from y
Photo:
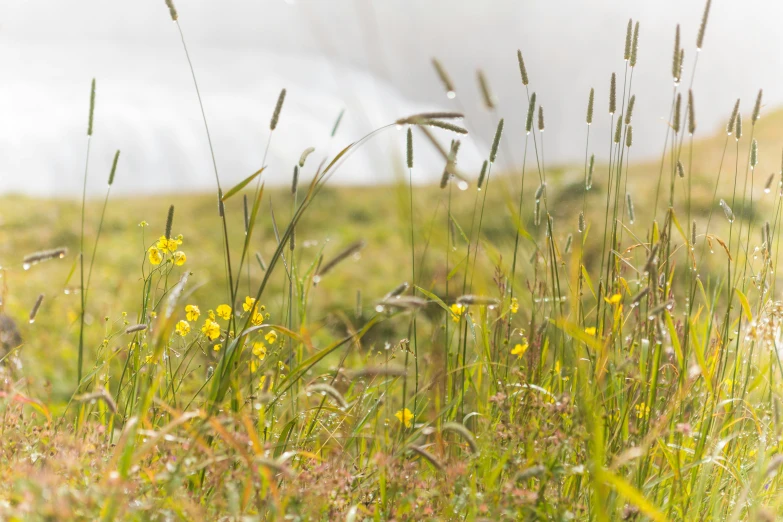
x=518 y=375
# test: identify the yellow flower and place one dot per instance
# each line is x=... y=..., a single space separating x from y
x=211 y=315
x=155 y=255
x=211 y=329
x=616 y=298
x=519 y=350
x=143 y=224
x=514 y=305
x=180 y=258
x=642 y=411
x=405 y=416
x=271 y=337
x=171 y=244
x=224 y=311
x=590 y=330
x=248 y=304
x=192 y=312
x=557 y=367
x=257 y=319
x=457 y=309
x=162 y=243
x=259 y=350
x=253 y=366
x=217 y=347
x=183 y=328
x=262 y=381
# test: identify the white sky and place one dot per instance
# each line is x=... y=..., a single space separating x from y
x=371 y=57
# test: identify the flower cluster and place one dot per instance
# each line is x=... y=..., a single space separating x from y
x=167 y=249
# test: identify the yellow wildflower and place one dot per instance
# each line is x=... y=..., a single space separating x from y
x=224 y=311
x=616 y=298
x=183 y=328
x=514 y=305
x=143 y=224
x=162 y=243
x=217 y=347
x=642 y=411
x=257 y=319
x=248 y=304
x=271 y=337
x=404 y=416
x=519 y=350
x=259 y=350
x=211 y=329
x=155 y=255
x=179 y=258
x=253 y=366
x=457 y=309
x=557 y=367
x=262 y=381
x=192 y=312
x=590 y=330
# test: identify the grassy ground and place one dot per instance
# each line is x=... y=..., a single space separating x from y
x=538 y=364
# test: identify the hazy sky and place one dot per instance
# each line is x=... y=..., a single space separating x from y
x=370 y=57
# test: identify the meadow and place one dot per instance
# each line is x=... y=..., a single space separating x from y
x=564 y=342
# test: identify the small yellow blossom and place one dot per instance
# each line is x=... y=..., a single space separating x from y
x=217 y=347
x=143 y=224
x=179 y=258
x=257 y=319
x=183 y=328
x=616 y=298
x=155 y=255
x=642 y=411
x=224 y=311
x=171 y=244
x=211 y=329
x=457 y=309
x=590 y=330
x=262 y=381
x=162 y=243
x=271 y=337
x=248 y=304
x=514 y=305
x=192 y=312
x=519 y=350
x=404 y=416
x=253 y=366
x=211 y=315
x=259 y=350
x=557 y=367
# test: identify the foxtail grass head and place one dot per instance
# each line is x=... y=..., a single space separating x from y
x=496 y=142
x=691 y=114
x=172 y=10
x=482 y=174
x=114 y=167
x=590 y=101
x=92 y=108
x=629 y=205
x=169 y=221
x=628 y=37
x=703 y=26
x=522 y=69
x=589 y=177
x=278 y=108
x=629 y=113
x=445 y=79
x=738 y=127
x=613 y=94
x=486 y=94
x=757 y=108
x=629 y=136
x=754 y=153
x=634 y=46
x=531 y=111
x=304 y=155
x=677 y=113
x=676 y=56
x=733 y=118
x=541 y=126
x=409 y=148
x=618 y=130
x=580 y=226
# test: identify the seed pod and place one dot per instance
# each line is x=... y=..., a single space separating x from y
x=677 y=113
x=631 y=213
x=498 y=133
x=581 y=225
x=278 y=108
x=733 y=118
x=628 y=35
x=629 y=137
x=676 y=56
x=114 y=167
x=531 y=110
x=757 y=108
x=522 y=68
x=680 y=169
x=483 y=174
x=409 y=148
x=590 y=100
x=634 y=46
x=613 y=94
x=589 y=181
x=703 y=26
x=629 y=114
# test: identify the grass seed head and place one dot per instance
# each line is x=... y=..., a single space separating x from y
x=114 y=167
x=590 y=101
x=172 y=10
x=733 y=118
x=757 y=108
x=613 y=94
x=486 y=94
x=278 y=108
x=628 y=36
x=92 y=108
x=703 y=26
x=531 y=110
x=445 y=79
x=522 y=68
x=496 y=142
x=691 y=114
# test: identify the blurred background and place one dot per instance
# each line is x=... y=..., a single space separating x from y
x=371 y=58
